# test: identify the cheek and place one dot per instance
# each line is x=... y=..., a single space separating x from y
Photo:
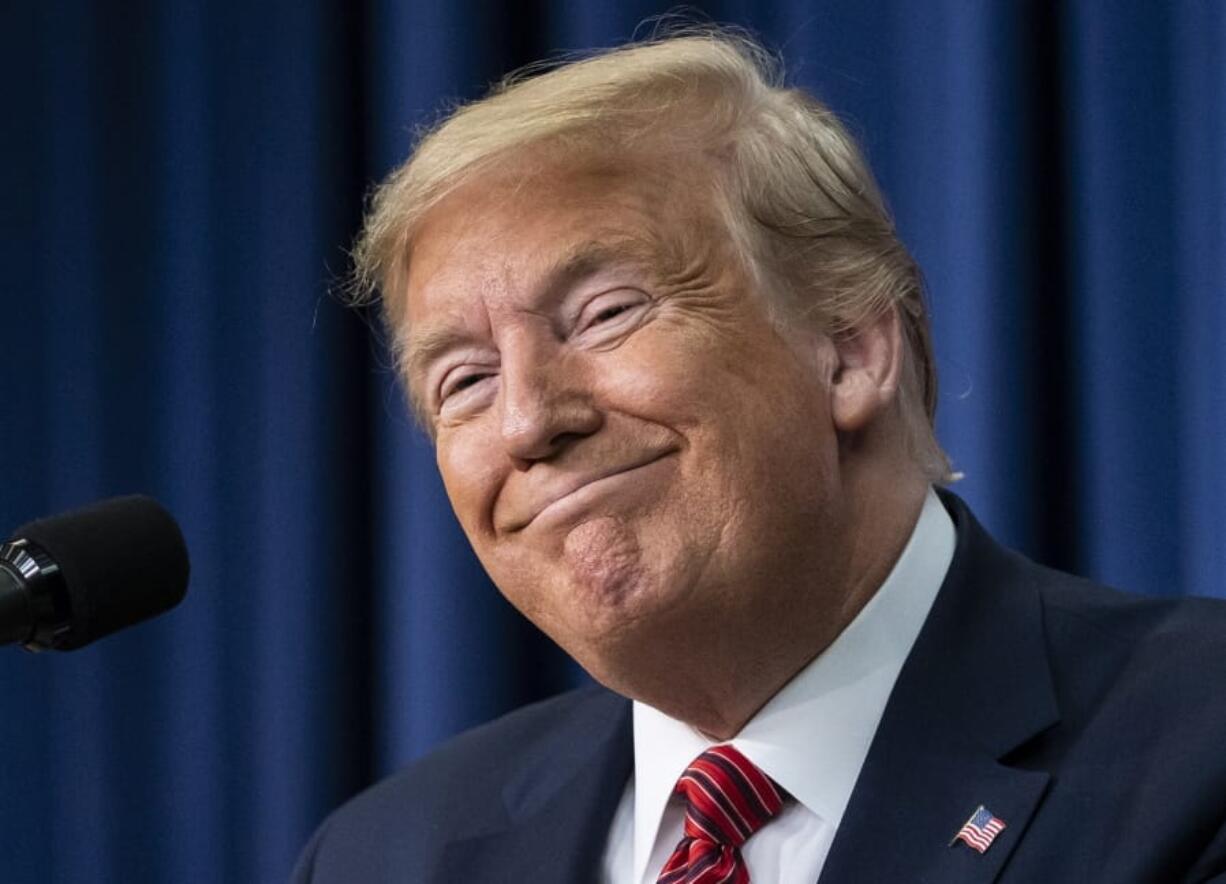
x=758 y=418
x=727 y=387
x=666 y=378
x=471 y=477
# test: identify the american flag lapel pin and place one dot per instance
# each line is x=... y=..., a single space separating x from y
x=980 y=830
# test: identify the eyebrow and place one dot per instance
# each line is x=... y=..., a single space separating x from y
x=418 y=350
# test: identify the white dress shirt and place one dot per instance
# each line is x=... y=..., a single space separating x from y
x=811 y=737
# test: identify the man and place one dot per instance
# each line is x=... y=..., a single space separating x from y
x=676 y=366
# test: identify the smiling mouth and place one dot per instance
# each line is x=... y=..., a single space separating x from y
x=569 y=493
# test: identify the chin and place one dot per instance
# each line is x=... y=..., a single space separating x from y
x=603 y=560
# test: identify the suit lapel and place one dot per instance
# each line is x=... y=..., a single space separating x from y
x=557 y=807
x=975 y=687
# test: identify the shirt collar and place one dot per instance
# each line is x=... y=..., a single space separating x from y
x=812 y=736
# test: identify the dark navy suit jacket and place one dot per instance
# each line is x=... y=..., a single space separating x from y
x=1092 y=722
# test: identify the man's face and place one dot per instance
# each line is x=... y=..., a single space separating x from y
x=629 y=444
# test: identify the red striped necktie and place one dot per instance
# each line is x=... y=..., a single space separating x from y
x=727 y=799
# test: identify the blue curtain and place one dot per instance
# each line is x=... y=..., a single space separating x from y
x=180 y=182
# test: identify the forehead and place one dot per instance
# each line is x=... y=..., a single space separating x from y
x=502 y=228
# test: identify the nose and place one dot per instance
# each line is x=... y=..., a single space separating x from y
x=546 y=404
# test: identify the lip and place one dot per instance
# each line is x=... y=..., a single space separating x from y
x=575 y=485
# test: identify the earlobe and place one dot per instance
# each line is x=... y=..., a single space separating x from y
x=865 y=381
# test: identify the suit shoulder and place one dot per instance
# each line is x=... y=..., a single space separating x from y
x=1162 y=654
x=1188 y=625
x=456 y=787
x=512 y=740
x=487 y=752
x=1084 y=610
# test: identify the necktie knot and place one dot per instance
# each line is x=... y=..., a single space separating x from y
x=727 y=797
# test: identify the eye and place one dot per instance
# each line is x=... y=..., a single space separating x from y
x=611 y=309
x=609 y=312
x=465 y=382
x=459 y=382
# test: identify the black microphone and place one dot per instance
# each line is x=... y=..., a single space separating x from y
x=73 y=578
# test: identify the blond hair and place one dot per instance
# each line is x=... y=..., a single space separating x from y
x=794 y=191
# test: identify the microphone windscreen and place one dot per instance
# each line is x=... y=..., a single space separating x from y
x=123 y=560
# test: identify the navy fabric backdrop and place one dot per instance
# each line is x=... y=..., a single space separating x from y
x=180 y=182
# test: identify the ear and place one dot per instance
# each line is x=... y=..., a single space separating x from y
x=865 y=381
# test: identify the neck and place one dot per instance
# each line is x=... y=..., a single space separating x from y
x=732 y=665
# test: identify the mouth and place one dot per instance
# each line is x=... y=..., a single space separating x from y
x=582 y=487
